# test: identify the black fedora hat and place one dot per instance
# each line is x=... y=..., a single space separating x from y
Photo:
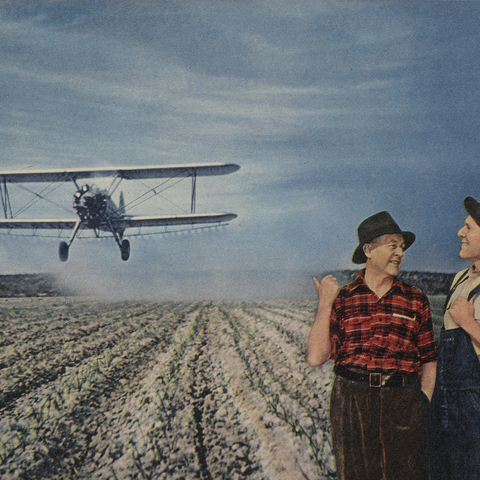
x=375 y=226
x=473 y=208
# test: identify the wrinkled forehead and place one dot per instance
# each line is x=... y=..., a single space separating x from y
x=389 y=237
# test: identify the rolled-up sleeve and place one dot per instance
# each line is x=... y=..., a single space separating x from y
x=335 y=337
x=426 y=344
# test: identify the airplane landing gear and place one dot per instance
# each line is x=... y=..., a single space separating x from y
x=125 y=250
x=124 y=245
x=64 y=246
x=63 y=251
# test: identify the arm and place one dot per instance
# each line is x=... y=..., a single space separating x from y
x=318 y=342
x=427 y=347
x=429 y=372
x=462 y=313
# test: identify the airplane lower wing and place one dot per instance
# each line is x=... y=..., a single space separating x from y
x=167 y=220
x=120 y=224
x=49 y=224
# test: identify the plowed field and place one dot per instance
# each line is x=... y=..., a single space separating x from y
x=150 y=390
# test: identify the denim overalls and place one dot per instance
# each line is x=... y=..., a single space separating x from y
x=454 y=417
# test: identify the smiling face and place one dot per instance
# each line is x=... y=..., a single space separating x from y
x=385 y=255
x=470 y=236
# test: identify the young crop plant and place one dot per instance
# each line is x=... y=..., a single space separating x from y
x=161 y=390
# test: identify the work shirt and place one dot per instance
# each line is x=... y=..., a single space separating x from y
x=466 y=284
x=391 y=334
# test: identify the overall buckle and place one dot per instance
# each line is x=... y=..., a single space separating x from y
x=375 y=380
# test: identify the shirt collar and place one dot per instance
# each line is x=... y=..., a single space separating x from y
x=473 y=272
x=359 y=282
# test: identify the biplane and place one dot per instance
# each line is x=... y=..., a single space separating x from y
x=94 y=207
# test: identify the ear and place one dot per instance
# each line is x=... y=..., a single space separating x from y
x=367 y=250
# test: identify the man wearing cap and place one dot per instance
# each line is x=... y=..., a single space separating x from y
x=454 y=423
x=378 y=331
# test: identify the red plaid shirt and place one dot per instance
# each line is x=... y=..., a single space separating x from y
x=393 y=334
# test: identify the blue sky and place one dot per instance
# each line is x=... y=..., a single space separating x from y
x=333 y=110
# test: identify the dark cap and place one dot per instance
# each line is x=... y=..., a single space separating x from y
x=473 y=208
x=375 y=226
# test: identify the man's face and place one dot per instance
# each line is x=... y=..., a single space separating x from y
x=470 y=236
x=385 y=254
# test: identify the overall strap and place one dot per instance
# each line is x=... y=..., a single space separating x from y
x=462 y=278
x=474 y=292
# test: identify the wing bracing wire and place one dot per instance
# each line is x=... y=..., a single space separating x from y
x=39 y=196
x=152 y=191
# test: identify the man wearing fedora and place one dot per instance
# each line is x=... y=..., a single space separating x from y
x=454 y=423
x=378 y=331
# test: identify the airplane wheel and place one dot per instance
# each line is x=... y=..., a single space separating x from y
x=125 y=250
x=63 y=251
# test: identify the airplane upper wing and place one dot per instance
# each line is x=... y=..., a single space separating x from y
x=33 y=223
x=128 y=173
x=167 y=220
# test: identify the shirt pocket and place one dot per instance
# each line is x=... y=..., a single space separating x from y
x=403 y=327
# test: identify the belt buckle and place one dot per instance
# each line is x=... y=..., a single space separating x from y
x=375 y=380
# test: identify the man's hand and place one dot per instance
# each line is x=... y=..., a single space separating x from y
x=327 y=290
x=429 y=372
x=318 y=342
x=462 y=313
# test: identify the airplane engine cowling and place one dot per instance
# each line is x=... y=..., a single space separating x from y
x=91 y=207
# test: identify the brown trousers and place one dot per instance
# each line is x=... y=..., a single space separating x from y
x=379 y=433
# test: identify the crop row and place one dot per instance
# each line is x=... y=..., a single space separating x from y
x=180 y=422
x=49 y=429
x=55 y=340
x=273 y=359
x=161 y=390
x=150 y=390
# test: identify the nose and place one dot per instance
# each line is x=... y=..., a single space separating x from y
x=461 y=232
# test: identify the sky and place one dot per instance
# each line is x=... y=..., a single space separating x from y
x=334 y=110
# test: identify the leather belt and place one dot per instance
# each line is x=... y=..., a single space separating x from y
x=377 y=379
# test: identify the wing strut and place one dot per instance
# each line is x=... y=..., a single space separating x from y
x=7 y=207
x=114 y=185
x=194 y=191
